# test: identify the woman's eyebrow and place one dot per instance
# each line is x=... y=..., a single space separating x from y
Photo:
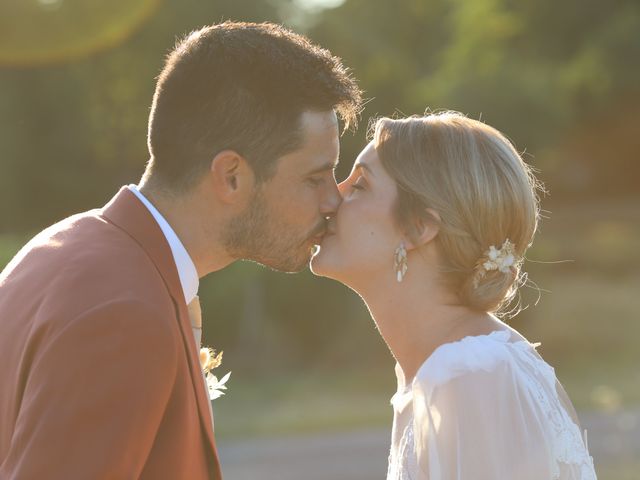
x=364 y=166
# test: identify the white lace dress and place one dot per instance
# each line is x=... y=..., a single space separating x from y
x=486 y=407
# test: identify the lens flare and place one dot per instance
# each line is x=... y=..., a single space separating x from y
x=42 y=32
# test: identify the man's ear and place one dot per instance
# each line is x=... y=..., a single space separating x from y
x=231 y=176
x=424 y=230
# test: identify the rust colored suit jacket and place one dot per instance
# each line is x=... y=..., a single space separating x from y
x=99 y=373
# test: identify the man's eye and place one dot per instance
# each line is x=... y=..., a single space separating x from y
x=315 y=181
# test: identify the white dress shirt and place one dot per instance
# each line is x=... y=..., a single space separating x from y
x=186 y=269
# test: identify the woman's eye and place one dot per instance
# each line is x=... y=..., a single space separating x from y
x=358 y=184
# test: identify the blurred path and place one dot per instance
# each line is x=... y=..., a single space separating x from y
x=362 y=455
x=613 y=437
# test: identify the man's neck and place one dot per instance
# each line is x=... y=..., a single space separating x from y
x=185 y=216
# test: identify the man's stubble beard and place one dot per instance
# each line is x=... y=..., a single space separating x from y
x=258 y=235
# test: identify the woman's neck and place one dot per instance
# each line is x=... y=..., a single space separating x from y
x=416 y=316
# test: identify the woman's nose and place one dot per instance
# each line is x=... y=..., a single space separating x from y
x=342 y=188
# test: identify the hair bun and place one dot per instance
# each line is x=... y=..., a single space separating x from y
x=483 y=192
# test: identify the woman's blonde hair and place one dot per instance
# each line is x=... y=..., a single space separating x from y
x=482 y=190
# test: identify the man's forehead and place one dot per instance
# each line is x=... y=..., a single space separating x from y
x=320 y=134
x=311 y=120
x=319 y=148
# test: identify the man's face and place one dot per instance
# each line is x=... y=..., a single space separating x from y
x=287 y=216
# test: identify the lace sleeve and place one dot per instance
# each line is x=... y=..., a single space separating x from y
x=482 y=425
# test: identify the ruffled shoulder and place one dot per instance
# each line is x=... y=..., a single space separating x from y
x=502 y=383
x=470 y=354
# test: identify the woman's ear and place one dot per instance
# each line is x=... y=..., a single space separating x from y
x=232 y=178
x=424 y=230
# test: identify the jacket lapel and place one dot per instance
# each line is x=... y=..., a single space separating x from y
x=128 y=213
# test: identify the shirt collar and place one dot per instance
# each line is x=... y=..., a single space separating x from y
x=186 y=268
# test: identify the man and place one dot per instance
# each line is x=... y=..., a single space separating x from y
x=100 y=375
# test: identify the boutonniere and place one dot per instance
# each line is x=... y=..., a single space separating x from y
x=208 y=361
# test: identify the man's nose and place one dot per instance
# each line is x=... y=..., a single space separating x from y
x=332 y=200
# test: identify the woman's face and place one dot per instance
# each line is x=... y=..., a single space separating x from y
x=362 y=237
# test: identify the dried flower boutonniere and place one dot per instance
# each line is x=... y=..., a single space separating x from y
x=208 y=361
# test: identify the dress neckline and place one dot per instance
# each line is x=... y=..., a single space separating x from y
x=502 y=335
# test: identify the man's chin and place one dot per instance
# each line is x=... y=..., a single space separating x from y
x=303 y=261
x=288 y=264
x=289 y=268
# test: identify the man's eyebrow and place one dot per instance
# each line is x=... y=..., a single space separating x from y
x=323 y=168
x=364 y=166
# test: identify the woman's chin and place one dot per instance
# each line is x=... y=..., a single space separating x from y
x=320 y=264
x=316 y=263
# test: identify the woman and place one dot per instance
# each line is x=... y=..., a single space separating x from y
x=436 y=217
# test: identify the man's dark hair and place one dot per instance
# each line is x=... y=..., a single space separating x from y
x=242 y=87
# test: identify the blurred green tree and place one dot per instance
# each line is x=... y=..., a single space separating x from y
x=560 y=78
x=546 y=73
